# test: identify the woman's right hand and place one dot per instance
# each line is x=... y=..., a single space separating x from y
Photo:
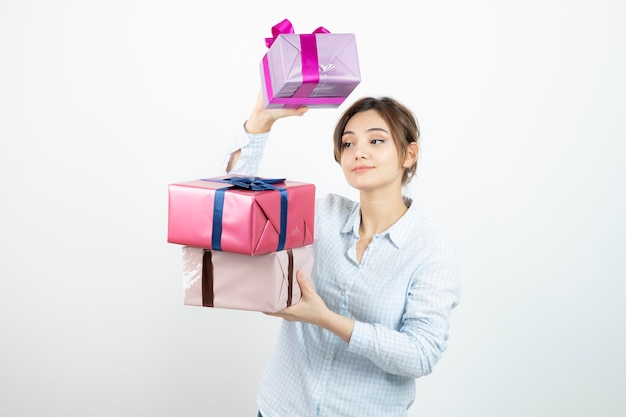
x=262 y=119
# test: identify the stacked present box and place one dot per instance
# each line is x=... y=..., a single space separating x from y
x=243 y=240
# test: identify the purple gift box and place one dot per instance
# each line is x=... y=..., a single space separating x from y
x=316 y=70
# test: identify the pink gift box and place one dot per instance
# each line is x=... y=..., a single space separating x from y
x=317 y=70
x=265 y=283
x=214 y=214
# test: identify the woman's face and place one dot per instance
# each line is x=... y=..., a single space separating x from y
x=369 y=157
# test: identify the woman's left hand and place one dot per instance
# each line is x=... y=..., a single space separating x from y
x=310 y=309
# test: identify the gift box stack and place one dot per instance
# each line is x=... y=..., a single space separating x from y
x=243 y=240
x=244 y=237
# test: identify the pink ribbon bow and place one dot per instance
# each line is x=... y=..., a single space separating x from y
x=285 y=26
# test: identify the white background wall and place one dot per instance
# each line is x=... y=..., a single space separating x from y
x=103 y=103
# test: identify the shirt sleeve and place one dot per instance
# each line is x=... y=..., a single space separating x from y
x=252 y=148
x=417 y=346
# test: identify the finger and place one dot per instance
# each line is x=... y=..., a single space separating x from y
x=295 y=112
x=301 y=110
x=303 y=281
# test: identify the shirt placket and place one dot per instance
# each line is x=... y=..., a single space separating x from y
x=333 y=343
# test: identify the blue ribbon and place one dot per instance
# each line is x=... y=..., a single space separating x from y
x=248 y=183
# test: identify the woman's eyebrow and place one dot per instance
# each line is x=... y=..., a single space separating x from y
x=377 y=129
x=373 y=129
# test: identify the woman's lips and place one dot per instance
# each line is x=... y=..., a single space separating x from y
x=361 y=168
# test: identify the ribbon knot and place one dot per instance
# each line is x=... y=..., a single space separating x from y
x=285 y=26
x=253 y=184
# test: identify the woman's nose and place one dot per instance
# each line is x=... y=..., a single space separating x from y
x=360 y=152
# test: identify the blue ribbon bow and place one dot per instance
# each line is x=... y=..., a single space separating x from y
x=248 y=183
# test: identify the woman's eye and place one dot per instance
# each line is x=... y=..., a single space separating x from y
x=346 y=144
x=374 y=141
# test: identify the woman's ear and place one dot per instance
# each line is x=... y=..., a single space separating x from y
x=412 y=151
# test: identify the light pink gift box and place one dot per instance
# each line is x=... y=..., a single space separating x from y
x=265 y=283
x=249 y=222
x=317 y=70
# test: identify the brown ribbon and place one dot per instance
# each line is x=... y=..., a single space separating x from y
x=289 y=277
x=207 y=279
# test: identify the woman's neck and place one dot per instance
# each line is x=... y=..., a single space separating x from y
x=379 y=212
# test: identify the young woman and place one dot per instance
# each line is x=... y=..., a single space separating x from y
x=385 y=280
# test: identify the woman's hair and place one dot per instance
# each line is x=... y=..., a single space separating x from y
x=401 y=121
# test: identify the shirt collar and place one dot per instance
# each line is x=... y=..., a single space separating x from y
x=399 y=233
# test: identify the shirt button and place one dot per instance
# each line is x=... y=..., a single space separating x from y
x=329 y=356
x=343 y=293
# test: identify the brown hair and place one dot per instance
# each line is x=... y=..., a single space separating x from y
x=401 y=121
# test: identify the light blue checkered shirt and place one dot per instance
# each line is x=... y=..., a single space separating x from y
x=400 y=296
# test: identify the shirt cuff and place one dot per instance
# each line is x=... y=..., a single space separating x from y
x=252 y=146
